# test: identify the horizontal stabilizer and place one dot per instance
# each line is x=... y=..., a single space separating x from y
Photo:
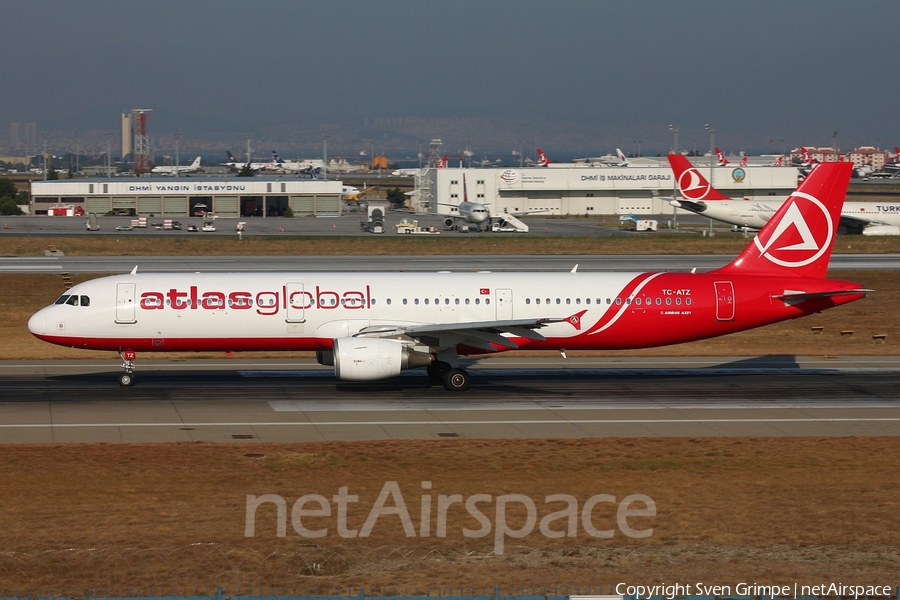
x=801 y=296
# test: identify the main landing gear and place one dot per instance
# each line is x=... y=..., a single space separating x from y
x=453 y=378
x=126 y=379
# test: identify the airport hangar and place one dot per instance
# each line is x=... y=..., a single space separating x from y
x=588 y=190
x=189 y=196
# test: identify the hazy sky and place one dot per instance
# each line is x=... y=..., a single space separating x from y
x=797 y=70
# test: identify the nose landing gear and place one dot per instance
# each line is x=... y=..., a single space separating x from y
x=126 y=379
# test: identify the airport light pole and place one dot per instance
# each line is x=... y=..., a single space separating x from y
x=712 y=151
x=177 y=140
x=248 y=148
x=674 y=130
x=834 y=144
x=325 y=157
x=108 y=150
x=45 y=136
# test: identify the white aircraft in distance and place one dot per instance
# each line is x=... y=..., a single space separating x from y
x=404 y=172
x=310 y=167
x=254 y=166
x=619 y=160
x=442 y=164
x=372 y=326
x=175 y=170
x=699 y=196
x=471 y=213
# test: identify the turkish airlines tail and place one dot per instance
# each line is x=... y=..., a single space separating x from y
x=721 y=158
x=778 y=162
x=807 y=157
x=797 y=240
x=442 y=164
x=692 y=184
x=543 y=161
x=743 y=161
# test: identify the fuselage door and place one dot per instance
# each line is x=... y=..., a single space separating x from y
x=724 y=301
x=297 y=301
x=125 y=303
x=504 y=305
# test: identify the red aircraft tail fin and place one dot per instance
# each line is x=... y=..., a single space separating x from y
x=798 y=239
x=692 y=184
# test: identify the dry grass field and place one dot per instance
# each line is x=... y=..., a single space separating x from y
x=658 y=243
x=727 y=510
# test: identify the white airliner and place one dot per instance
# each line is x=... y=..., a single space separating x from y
x=699 y=196
x=310 y=167
x=372 y=326
x=254 y=166
x=175 y=170
x=619 y=160
x=471 y=213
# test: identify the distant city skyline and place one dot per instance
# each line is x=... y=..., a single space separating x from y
x=577 y=77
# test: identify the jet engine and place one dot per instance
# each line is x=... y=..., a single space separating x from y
x=449 y=222
x=368 y=359
x=881 y=230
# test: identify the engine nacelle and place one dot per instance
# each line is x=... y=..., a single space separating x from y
x=881 y=230
x=449 y=222
x=368 y=359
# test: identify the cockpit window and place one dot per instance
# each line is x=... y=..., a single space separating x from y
x=62 y=299
x=72 y=301
x=85 y=300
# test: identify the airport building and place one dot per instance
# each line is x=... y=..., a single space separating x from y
x=232 y=197
x=577 y=190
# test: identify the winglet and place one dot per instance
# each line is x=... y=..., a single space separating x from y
x=134 y=270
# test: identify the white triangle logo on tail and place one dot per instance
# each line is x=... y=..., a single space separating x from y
x=812 y=244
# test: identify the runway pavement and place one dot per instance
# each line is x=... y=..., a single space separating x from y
x=233 y=400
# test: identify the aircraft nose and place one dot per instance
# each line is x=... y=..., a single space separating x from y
x=37 y=324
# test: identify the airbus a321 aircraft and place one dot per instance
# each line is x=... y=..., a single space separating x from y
x=374 y=325
x=699 y=196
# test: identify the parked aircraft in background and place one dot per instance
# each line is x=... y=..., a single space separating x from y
x=543 y=161
x=699 y=196
x=372 y=326
x=309 y=167
x=723 y=160
x=176 y=170
x=619 y=160
x=404 y=172
x=470 y=213
x=254 y=166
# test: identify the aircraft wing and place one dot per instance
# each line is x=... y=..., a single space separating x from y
x=857 y=222
x=476 y=334
x=798 y=296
